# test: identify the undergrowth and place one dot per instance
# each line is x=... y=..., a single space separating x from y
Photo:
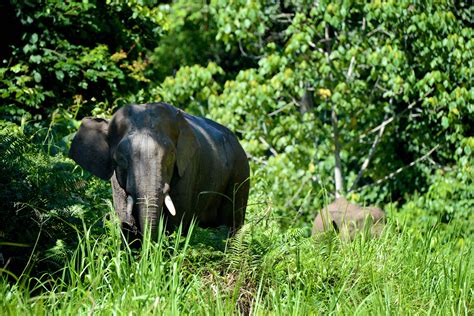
x=260 y=271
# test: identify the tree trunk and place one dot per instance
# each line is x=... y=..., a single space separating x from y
x=339 y=180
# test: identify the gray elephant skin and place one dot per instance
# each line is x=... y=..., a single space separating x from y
x=164 y=162
x=348 y=218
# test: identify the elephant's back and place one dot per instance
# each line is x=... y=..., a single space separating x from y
x=214 y=128
x=218 y=137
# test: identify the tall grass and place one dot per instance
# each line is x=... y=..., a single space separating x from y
x=260 y=271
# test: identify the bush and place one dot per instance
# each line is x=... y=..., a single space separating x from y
x=42 y=201
x=447 y=204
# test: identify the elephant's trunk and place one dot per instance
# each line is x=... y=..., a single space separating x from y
x=148 y=212
x=150 y=209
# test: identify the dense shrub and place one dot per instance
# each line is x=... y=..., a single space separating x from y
x=80 y=55
x=447 y=204
x=43 y=200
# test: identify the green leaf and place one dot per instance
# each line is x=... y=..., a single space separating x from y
x=35 y=59
x=445 y=122
x=17 y=68
x=37 y=76
x=467 y=150
x=59 y=75
x=34 y=38
x=247 y=23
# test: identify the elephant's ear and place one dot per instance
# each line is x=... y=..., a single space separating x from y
x=90 y=148
x=187 y=144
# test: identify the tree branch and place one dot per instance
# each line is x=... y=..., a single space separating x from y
x=351 y=67
x=369 y=157
x=257 y=160
x=337 y=155
x=379 y=30
x=391 y=175
x=338 y=178
x=396 y=116
x=245 y=54
x=272 y=150
x=282 y=108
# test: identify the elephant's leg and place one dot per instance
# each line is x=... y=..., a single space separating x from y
x=233 y=209
x=124 y=212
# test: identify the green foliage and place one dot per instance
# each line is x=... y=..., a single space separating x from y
x=190 y=88
x=82 y=54
x=272 y=72
x=188 y=38
x=242 y=23
x=42 y=199
x=403 y=63
x=448 y=202
x=247 y=65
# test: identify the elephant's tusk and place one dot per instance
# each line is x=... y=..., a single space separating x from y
x=129 y=207
x=169 y=204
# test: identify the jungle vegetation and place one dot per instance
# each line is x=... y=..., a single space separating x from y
x=372 y=100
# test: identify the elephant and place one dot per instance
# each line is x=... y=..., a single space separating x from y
x=164 y=162
x=349 y=218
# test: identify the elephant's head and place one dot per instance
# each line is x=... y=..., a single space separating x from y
x=141 y=147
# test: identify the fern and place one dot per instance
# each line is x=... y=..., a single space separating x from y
x=41 y=199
